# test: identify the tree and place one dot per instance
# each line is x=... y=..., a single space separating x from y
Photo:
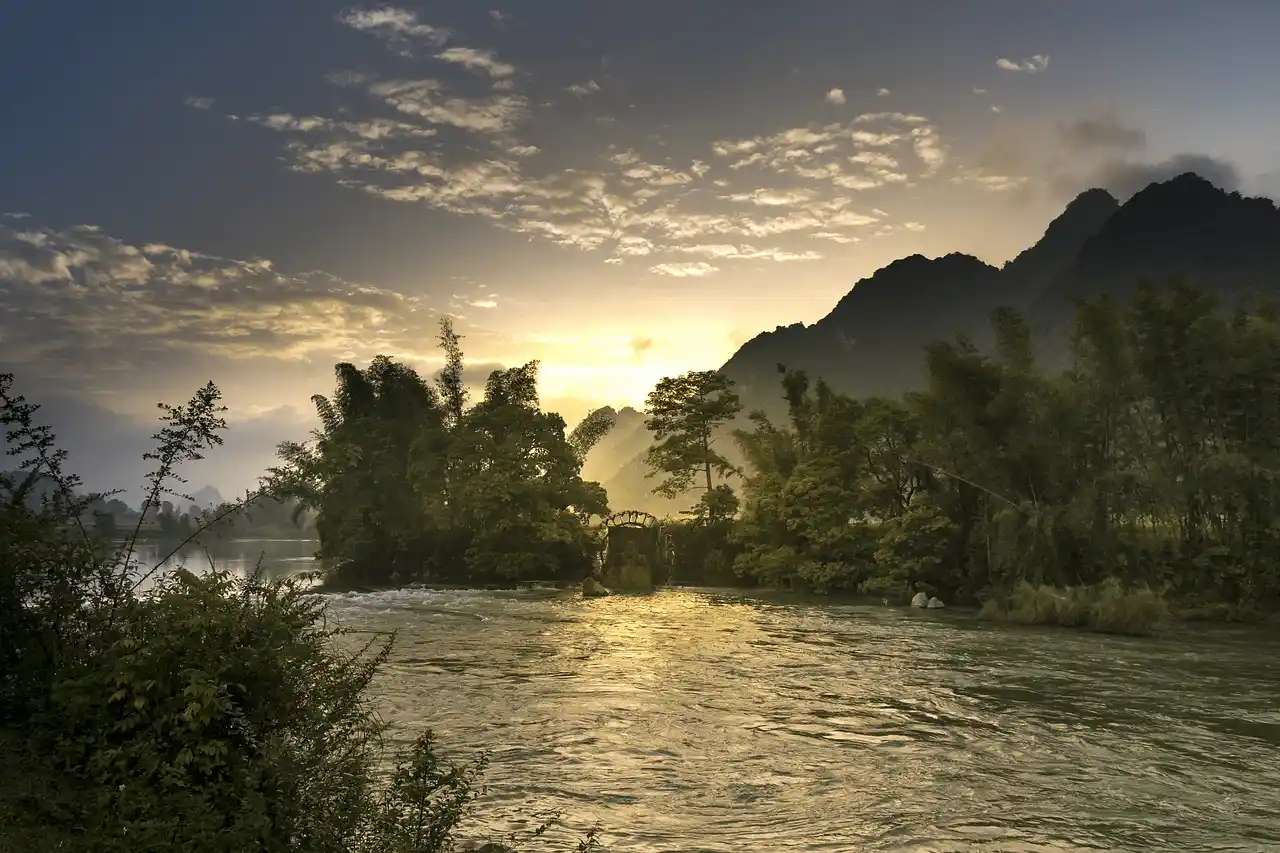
x=683 y=413
x=408 y=483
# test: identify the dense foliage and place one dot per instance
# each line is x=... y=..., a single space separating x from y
x=683 y=414
x=206 y=713
x=409 y=483
x=1151 y=461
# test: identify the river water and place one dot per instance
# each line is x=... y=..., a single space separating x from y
x=705 y=720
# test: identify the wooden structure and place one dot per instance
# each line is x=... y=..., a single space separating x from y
x=635 y=558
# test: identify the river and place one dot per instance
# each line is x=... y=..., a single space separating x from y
x=712 y=720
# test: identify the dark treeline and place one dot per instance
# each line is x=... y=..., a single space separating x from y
x=410 y=482
x=1150 y=462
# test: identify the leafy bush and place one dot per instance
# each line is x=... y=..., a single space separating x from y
x=208 y=713
x=1107 y=608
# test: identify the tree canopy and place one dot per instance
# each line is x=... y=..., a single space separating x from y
x=409 y=482
x=1151 y=460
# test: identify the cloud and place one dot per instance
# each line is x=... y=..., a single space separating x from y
x=879 y=140
x=694 y=270
x=989 y=181
x=835 y=96
x=821 y=153
x=393 y=24
x=426 y=100
x=1124 y=179
x=882 y=92
x=499 y=17
x=79 y=296
x=722 y=251
x=1030 y=65
x=369 y=129
x=928 y=146
x=466 y=153
x=199 y=103
x=475 y=59
x=773 y=197
x=583 y=89
x=639 y=346
x=979 y=91
x=1105 y=130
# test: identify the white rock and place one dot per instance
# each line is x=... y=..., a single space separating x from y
x=920 y=600
x=935 y=603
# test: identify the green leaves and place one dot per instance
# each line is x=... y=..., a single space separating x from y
x=411 y=484
x=683 y=412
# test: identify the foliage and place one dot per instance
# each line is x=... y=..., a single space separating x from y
x=1106 y=608
x=207 y=713
x=683 y=413
x=409 y=483
x=1151 y=461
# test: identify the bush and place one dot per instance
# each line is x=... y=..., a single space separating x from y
x=210 y=713
x=1107 y=608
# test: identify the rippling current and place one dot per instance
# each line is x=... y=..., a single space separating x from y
x=702 y=720
x=716 y=721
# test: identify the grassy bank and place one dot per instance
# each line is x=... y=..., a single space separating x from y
x=1108 y=608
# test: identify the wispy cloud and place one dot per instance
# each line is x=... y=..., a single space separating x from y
x=882 y=92
x=393 y=24
x=835 y=96
x=583 y=89
x=80 y=296
x=693 y=270
x=1030 y=65
x=722 y=251
x=499 y=17
x=427 y=100
x=199 y=103
x=475 y=59
x=769 y=197
x=989 y=181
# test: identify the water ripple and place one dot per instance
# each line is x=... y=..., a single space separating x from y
x=710 y=721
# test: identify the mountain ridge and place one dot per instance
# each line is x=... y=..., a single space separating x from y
x=872 y=340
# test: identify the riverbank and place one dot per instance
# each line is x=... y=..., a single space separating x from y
x=1105 y=608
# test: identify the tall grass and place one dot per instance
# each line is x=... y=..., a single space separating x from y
x=1107 y=608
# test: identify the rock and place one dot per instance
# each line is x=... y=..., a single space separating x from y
x=920 y=600
x=592 y=588
x=935 y=603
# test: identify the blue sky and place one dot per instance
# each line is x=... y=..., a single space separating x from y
x=250 y=191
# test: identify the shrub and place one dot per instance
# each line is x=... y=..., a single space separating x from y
x=209 y=713
x=1106 y=608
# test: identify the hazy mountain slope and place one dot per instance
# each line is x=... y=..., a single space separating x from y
x=872 y=341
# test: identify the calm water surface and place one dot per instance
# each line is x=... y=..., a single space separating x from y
x=715 y=721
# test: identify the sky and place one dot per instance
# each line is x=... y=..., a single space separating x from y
x=252 y=190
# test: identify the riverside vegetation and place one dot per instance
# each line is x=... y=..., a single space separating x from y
x=1140 y=478
x=1143 y=474
x=207 y=713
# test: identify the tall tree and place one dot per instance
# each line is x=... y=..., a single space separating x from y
x=683 y=413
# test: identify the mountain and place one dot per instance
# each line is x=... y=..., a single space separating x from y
x=208 y=497
x=872 y=341
x=1224 y=242
x=619 y=445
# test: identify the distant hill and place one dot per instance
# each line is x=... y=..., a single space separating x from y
x=207 y=498
x=872 y=341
